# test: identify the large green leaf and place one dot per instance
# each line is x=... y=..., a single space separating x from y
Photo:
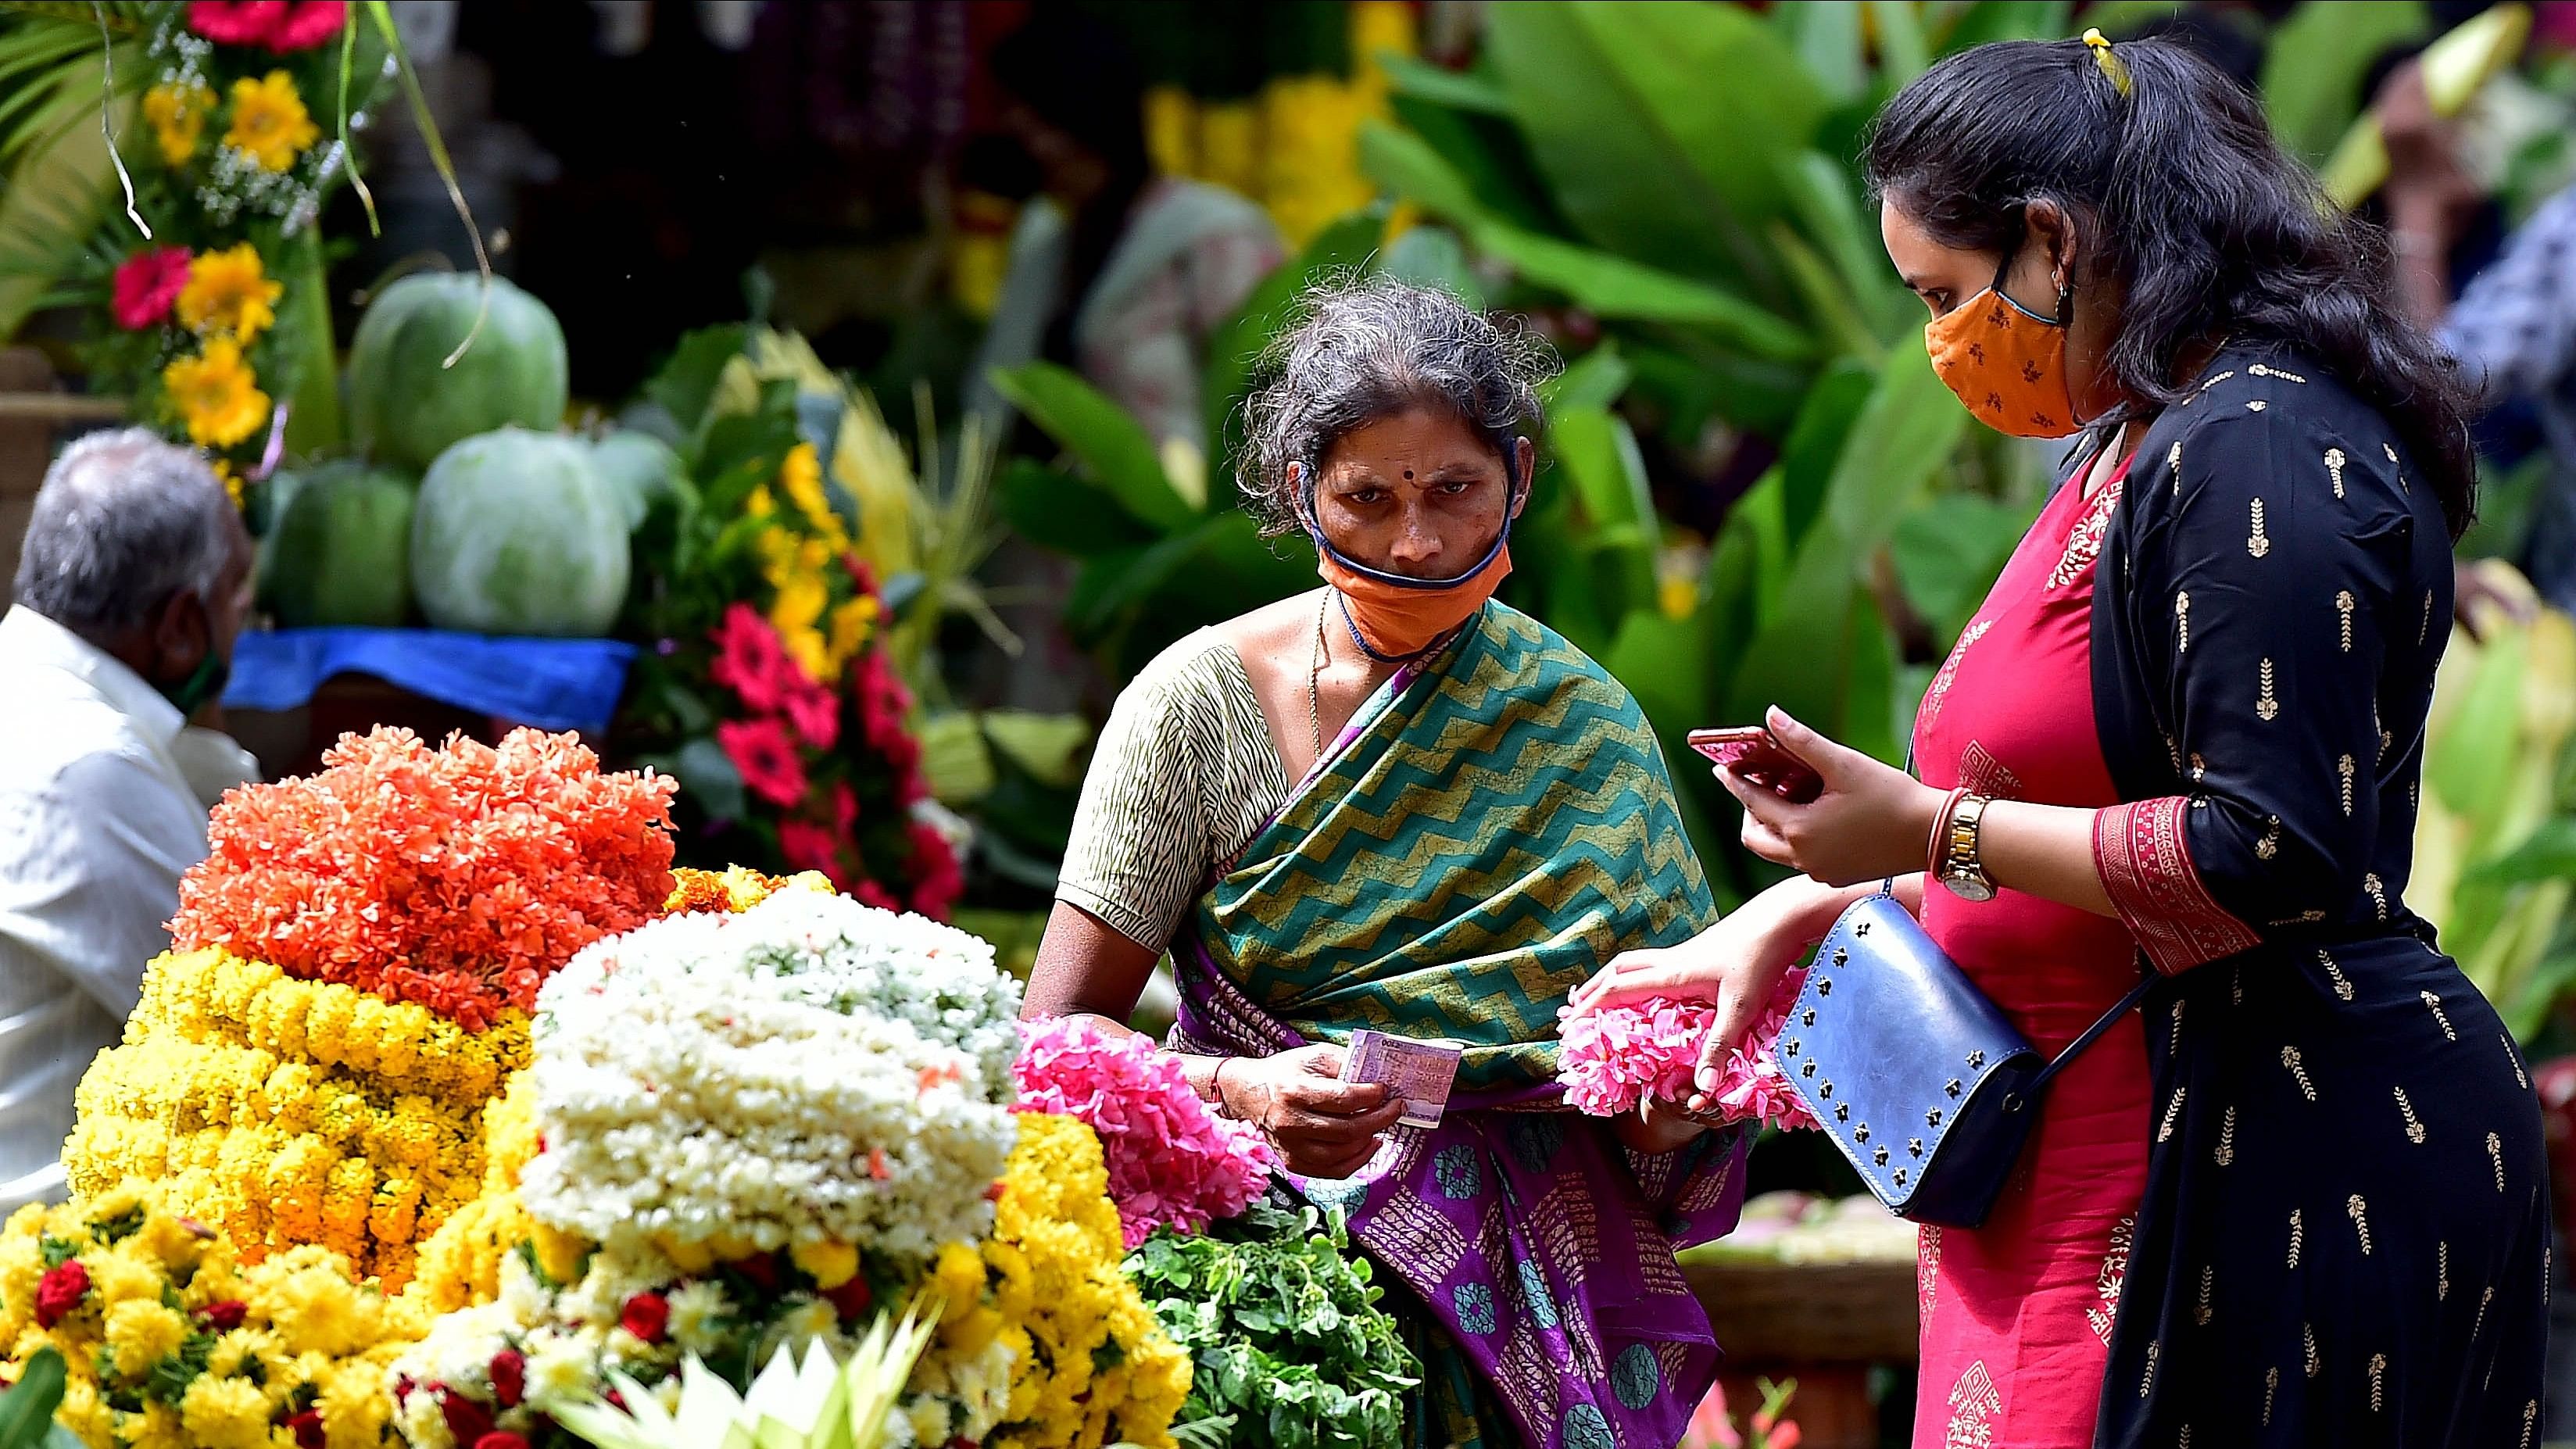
x=1459 y=90
x=1604 y=283
x=1948 y=553
x=1057 y=510
x=1594 y=380
x=1816 y=442
x=2471 y=762
x=1659 y=124
x=1102 y=435
x=1992 y=20
x=27 y=1409
x=1828 y=41
x=1902 y=434
x=1599 y=455
x=2317 y=60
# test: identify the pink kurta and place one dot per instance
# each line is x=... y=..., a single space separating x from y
x=2017 y=1314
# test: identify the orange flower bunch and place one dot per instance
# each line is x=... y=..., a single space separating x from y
x=457 y=877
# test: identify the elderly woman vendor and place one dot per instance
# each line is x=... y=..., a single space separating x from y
x=1394 y=803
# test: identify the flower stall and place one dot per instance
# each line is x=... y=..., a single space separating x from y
x=457 y=1117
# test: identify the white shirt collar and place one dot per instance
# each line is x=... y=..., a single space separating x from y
x=35 y=639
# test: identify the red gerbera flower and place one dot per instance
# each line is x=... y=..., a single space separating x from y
x=147 y=284
x=761 y=750
x=937 y=880
x=280 y=25
x=808 y=846
x=750 y=661
x=815 y=711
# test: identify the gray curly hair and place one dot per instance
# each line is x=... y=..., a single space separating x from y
x=1363 y=350
x=125 y=521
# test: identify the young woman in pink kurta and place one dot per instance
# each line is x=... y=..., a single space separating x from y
x=2017 y=1313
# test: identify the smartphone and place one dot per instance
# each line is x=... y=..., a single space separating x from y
x=1754 y=753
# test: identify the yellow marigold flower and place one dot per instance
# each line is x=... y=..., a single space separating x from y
x=141 y=1333
x=229 y=292
x=119 y=1277
x=177 y=115
x=83 y=1413
x=354 y=1405
x=800 y=604
x=801 y=478
x=223 y=1413
x=830 y=1264
x=270 y=124
x=215 y=395
x=812 y=653
x=306 y=1292
x=157 y=1427
x=850 y=622
x=558 y=1253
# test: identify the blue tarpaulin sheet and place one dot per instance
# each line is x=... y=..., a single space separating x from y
x=554 y=684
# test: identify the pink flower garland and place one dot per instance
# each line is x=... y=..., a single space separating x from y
x=1617 y=1058
x=1172 y=1161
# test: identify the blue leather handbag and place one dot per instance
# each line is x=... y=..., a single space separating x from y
x=1920 y=1081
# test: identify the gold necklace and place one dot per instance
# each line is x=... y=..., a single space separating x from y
x=1315 y=672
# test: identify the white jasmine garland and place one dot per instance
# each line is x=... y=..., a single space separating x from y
x=807 y=1070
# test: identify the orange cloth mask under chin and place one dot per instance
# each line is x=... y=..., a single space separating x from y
x=1395 y=617
x=2006 y=362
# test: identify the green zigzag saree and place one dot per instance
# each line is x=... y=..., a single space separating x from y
x=1489 y=831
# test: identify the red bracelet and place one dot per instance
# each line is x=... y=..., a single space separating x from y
x=1936 y=851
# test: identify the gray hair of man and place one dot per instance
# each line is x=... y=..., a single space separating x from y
x=125 y=521
x=1365 y=350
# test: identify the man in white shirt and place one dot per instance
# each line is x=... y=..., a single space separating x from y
x=132 y=586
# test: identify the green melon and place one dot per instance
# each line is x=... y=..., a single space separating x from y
x=405 y=408
x=516 y=533
x=339 y=550
x=641 y=470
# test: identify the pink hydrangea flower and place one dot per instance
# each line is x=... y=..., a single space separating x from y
x=1172 y=1161
x=1613 y=1060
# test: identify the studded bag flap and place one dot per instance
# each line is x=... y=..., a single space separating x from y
x=1922 y=1083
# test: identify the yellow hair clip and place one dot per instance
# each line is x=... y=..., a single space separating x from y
x=2112 y=66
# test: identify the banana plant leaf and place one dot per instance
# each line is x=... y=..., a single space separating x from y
x=1109 y=441
x=1615 y=102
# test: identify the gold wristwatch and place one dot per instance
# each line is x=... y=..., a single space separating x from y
x=1962 y=869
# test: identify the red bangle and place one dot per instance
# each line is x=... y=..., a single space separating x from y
x=1936 y=851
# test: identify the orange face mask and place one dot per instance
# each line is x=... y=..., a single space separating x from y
x=2006 y=362
x=1395 y=617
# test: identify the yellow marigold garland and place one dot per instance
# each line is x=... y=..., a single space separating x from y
x=1050 y=1286
x=168 y=1340
x=289 y=1112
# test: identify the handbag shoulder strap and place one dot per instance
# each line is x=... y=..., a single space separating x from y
x=2092 y=1033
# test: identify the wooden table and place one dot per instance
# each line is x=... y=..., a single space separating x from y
x=1824 y=1324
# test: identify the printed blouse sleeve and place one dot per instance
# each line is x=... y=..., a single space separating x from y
x=2265 y=587
x=2514 y=328
x=1140 y=841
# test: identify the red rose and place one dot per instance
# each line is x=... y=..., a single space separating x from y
x=760 y=1268
x=647 y=1316
x=509 y=1377
x=147 y=285
x=307 y=1429
x=467 y=1420
x=850 y=1299
x=500 y=1439
x=223 y=1317
x=60 y=1291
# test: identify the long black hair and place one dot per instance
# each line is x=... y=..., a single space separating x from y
x=2184 y=200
